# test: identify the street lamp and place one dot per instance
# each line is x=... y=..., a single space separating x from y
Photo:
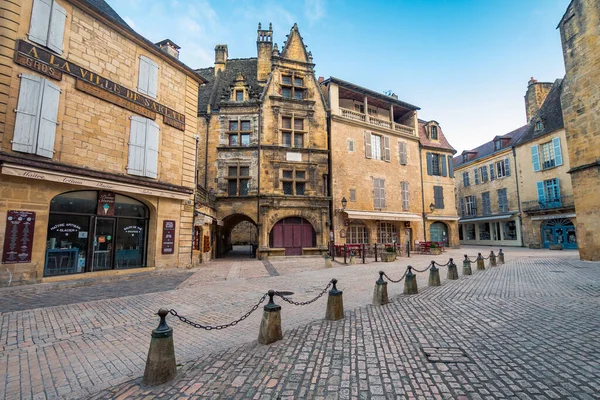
x=344 y=203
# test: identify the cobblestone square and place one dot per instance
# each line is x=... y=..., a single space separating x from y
x=526 y=329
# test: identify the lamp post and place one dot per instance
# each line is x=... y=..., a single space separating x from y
x=425 y=213
x=344 y=203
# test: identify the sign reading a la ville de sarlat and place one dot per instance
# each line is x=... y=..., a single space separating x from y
x=38 y=59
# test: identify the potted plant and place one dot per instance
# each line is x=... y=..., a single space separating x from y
x=389 y=254
x=435 y=249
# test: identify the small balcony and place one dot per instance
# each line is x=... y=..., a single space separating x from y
x=562 y=202
x=378 y=122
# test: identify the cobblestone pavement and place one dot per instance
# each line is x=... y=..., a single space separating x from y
x=75 y=350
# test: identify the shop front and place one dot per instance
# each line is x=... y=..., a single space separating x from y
x=493 y=230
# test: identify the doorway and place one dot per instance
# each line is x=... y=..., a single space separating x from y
x=438 y=232
x=293 y=234
x=559 y=231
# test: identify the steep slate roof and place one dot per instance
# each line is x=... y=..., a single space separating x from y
x=488 y=147
x=103 y=8
x=550 y=113
x=216 y=90
x=442 y=143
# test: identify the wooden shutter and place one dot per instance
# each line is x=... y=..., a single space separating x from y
x=386 y=149
x=48 y=119
x=382 y=192
x=40 y=21
x=137 y=146
x=443 y=165
x=438 y=197
x=376 y=198
x=402 y=153
x=405 y=203
x=506 y=167
x=57 y=28
x=28 y=110
x=144 y=75
x=368 y=152
x=492 y=172
x=151 y=149
x=541 y=193
x=429 y=156
x=462 y=206
x=558 y=160
x=535 y=157
x=450 y=167
x=476 y=174
x=152 y=79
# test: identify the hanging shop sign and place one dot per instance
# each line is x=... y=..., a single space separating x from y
x=106 y=203
x=41 y=60
x=18 y=237
x=168 y=237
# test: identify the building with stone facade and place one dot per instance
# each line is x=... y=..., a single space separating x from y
x=264 y=131
x=383 y=172
x=97 y=147
x=580 y=38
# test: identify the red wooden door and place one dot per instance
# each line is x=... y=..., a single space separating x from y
x=293 y=234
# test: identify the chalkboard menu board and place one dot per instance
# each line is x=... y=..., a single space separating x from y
x=18 y=237
x=168 y=237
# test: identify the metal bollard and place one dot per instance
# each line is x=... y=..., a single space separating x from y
x=161 y=366
x=380 y=294
x=410 y=282
x=467 y=266
x=452 y=271
x=375 y=252
x=270 y=325
x=335 y=303
x=407 y=249
x=480 y=262
x=434 y=275
x=500 y=257
x=345 y=253
x=363 y=252
x=492 y=259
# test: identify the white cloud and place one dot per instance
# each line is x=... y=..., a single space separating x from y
x=129 y=22
x=315 y=10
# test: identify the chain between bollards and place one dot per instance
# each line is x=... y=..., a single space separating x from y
x=382 y=274
x=303 y=303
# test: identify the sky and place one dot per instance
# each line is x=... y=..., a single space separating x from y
x=465 y=63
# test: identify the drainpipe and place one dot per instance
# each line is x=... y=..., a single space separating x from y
x=258 y=223
x=197 y=138
x=518 y=196
x=207 y=118
x=422 y=193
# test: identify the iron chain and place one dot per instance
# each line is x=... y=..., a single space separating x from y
x=396 y=281
x=422 y=270
x=442 y=265
x=219 y=327
x=303 y=303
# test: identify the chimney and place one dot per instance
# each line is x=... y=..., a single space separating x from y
x=169 y=47
x=321 y=79
x=535 y=96
x=264 y=46
x=220 y=57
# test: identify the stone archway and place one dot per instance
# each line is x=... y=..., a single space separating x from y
x=237 y=230
x=438 y=232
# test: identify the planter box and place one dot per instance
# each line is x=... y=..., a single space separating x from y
x=556 y=247
x=535 y=246
x=388 y=257
x=435 y=252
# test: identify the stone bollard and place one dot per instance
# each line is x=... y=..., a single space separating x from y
x=467 y=266
x=352 y=258
x=335 y=303
x=327 y=261
x=380 y=294
x=161 y=366
x=270 y=326
x=452 y=271
x=480 y=262
x=434 y=275
x=500 y=257
x=410 y=282
x=492 y=259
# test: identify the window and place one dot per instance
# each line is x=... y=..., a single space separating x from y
x=238 y=180
x=492 y=172
x=498 y=145
x=239 y=95
x=434 y=133
x=510 y=230
x=48 y=24
x=549 y=192
x=486 y=206
x=549 y=154
x=239 y=133
x=143 y=147
x=357 y=234
x=292 y=87
x=470 y=230
x=294 y=182
x=539 y=126
x=476 y=175
x=379 y=193
x=465 y=158
x=352 y=194
x=502 y=200
x=438 y=197
x=386 y=233
x=471 y=205
x=292 y=132
x=484 y=231
x=148 y=77
x=350 y=145
x=466 y=179
x=37 y=114
x=377 y=147
x=484 y=174
x=436 y=164
x=496 y=231
x=402 y=154
x=405 y=196
x=502 y=168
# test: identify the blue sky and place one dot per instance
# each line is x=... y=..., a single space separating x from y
x=465 y=63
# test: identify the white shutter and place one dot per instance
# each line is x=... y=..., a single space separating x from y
x=368 y=152
x=57 y=28
x=386 y=149
x=137 y=145
x=403 y=157
x=405 y=204
x=376 y=199
x=382 y=192
x=144 y=75
x=28 y=110
x=152 y=138
x=40 y=21
x=152 y=79
x=48 y=119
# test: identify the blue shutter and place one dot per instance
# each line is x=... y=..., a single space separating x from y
x=57 y=28
x=40 y=21
x=137 y=146
x=429 y=166
x=444 y=168
x=48 y=120
x=143 y=75
x=492 y=172
x=541 y=194
x=476 y=173
x=153 y=79
x=506 y=167
x=28 y=111
x=535 y=157
x=451 y=167
x=462 y=206
x=557 y=152
x=151 y=149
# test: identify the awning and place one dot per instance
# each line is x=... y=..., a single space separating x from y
x=487 y=218
x=384 y=216
x=442 y=218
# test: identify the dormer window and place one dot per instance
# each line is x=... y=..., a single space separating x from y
x=434 y=133
x=239 y=95
x=465 y=157
x=497 y=145
x=539 y=126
